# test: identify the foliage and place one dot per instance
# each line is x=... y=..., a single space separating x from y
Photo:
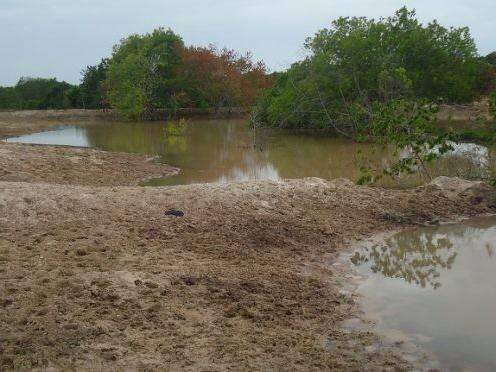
x=36 y=93
x=147 y=73
x=156 y=71
x=479 y=136
x=140 y=74
x=409 y=127
x=486 y=74
x=491 y=59
x=374 y=80
x=361 y=60
x=492 y=104
x=92 y=91
x=213 y=78
x=9 y=99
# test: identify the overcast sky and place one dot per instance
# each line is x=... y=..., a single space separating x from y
x=57 y=38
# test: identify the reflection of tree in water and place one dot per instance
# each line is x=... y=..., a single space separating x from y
x=416 y=258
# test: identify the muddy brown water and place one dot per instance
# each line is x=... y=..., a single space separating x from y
x=436 y=287
x=228 y=150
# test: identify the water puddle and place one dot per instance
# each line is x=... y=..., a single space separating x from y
x=435 y=287
x=66 y=135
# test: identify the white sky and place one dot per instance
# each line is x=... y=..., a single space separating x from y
x=57 y=38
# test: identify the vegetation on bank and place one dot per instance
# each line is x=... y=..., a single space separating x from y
x=382 y=81
x=358 y=64
x=147 y=73
x=157 y=71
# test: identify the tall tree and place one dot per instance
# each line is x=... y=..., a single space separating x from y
x=93 y=86
x=140 y=74
x=213 y=78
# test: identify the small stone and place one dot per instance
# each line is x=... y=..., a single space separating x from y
x=188 y=280
x=174 y=212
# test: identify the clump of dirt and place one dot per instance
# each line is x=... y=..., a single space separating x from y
x=81 y=166
x=103 y=278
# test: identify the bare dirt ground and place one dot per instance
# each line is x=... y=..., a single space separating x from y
x=80 y=166
x=100 y=278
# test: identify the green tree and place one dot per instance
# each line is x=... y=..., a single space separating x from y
x=376 y=80
x=140 y=74
x=9 y=99
x=359 y=60
x=93 y=86
x=492 y=104
x=38 y=93
x=491 y=59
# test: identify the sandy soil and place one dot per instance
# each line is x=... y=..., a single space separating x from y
x=80 y=166
x=101 y=278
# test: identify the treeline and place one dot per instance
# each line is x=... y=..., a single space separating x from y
x=353 y=65
x=38 y=94
x=146 y=73
x=358 y=66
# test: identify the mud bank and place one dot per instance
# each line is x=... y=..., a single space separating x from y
x=77 y=166
x=103 y=278
x=15 y=123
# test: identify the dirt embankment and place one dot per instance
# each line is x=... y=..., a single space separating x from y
x=101 y=278
x=76 y=166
